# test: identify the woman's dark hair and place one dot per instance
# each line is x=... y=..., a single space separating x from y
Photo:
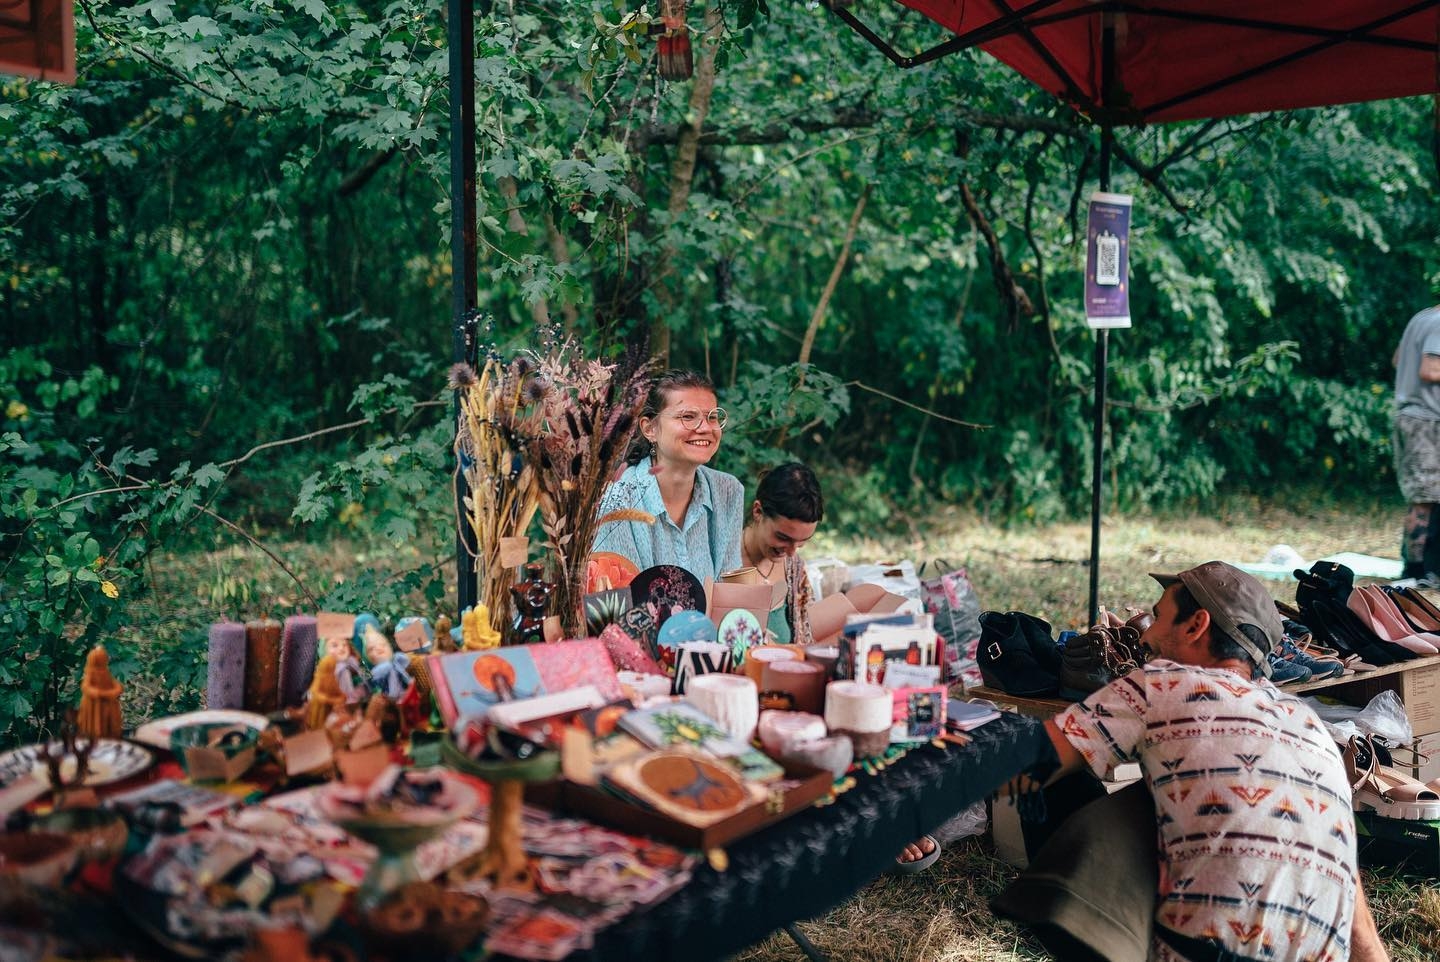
x=675 y=379
x=791 y=491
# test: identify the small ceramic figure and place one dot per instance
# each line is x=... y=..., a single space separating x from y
x=476 y=631
x=349 y=678
x=325 y=693
x=387 y=666
x=444 y=644
x=531 y=598
x=99 y=697
x=384 y=714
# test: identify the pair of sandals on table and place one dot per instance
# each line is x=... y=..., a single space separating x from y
x=1384 y=790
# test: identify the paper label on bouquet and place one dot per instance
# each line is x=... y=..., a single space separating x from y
x=331 y=624
x=412 y=637
x=514 y=552
x=307 y=752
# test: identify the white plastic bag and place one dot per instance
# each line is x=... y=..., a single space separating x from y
x=970 y=821
x=898 y=578
x=1384 y=717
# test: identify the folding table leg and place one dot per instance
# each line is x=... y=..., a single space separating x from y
x=806 y=946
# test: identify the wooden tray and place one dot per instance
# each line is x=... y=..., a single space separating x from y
x=600 y=806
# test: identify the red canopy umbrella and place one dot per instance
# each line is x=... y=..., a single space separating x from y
x=1136 y=62
x=1187 y=59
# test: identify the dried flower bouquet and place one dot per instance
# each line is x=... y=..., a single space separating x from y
x=591 y=411
x=498 y=419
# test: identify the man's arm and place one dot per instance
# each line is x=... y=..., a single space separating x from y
x=1071 y=761
x=1430 y=368
x=1365 y=944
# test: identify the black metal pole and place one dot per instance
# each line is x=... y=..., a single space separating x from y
x=1102 y=339
x=463 y=278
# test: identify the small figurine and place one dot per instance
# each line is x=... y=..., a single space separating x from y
x=70 y=747
x=443 y=642
x=99 y=697
x=476 y=631
x=346 y=669
x=531 y=598
x=384 y=714
x=387 y=666
x=325 y=693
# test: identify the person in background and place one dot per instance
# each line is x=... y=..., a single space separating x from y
x=787 y=508
x=1254 y=837
x=1417 y=442
x=698 y=511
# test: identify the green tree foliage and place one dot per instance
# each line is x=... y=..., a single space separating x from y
x=233 y=231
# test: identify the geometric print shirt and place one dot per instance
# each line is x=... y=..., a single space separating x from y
x=1252 y=808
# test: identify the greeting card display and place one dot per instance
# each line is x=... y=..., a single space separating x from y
x=682 y=724
x=469 y=682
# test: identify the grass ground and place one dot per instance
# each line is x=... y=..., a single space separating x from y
x=942 y=915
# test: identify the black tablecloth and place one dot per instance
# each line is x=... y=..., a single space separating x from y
x=813 y=861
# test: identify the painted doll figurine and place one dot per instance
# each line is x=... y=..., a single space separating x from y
x=99 y=697
x=388 y=673
x=349 y=678
x=325 y=693
x=531 y=598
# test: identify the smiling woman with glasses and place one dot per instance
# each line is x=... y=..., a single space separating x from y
x=698 y=511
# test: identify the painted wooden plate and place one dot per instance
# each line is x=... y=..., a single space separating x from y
x=740 y=631
x=157 y=733
x=666 y=589
x=113 y=760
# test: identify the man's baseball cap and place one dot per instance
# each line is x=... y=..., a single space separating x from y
x=1233 y=598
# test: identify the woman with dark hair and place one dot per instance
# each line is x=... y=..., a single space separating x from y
x=788 y=506
x=697 y=510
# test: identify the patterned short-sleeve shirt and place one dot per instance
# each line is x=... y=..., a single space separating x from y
x=1252 y=808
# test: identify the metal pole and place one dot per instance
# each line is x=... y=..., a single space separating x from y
x=1102 y=339
x=463 y=278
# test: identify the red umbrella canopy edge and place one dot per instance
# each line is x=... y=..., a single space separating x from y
x=1188 y=59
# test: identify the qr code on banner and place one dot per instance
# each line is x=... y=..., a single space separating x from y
x=1107 y=259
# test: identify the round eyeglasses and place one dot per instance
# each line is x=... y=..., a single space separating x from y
x=690 y=420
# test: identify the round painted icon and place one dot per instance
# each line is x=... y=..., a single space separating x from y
x=740 y=631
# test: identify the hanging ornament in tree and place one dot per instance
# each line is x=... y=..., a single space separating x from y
x=676 y=62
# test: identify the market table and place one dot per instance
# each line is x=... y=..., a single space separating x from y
x=796 y=869
x=813 y=861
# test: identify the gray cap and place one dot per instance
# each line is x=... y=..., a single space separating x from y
x=1233 y=598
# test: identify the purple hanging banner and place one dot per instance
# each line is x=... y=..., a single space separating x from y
x=1107 y=261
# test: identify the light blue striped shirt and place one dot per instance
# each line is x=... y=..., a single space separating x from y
x=707 y=544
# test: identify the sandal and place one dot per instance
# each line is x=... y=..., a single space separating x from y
x=1385 y=791
x=919 y=864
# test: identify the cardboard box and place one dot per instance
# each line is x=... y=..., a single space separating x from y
x=1411 y=846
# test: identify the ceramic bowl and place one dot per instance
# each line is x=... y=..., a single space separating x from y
x=199 y=735
x=41 y=859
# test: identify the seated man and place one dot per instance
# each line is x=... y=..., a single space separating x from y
x=1254 y=833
